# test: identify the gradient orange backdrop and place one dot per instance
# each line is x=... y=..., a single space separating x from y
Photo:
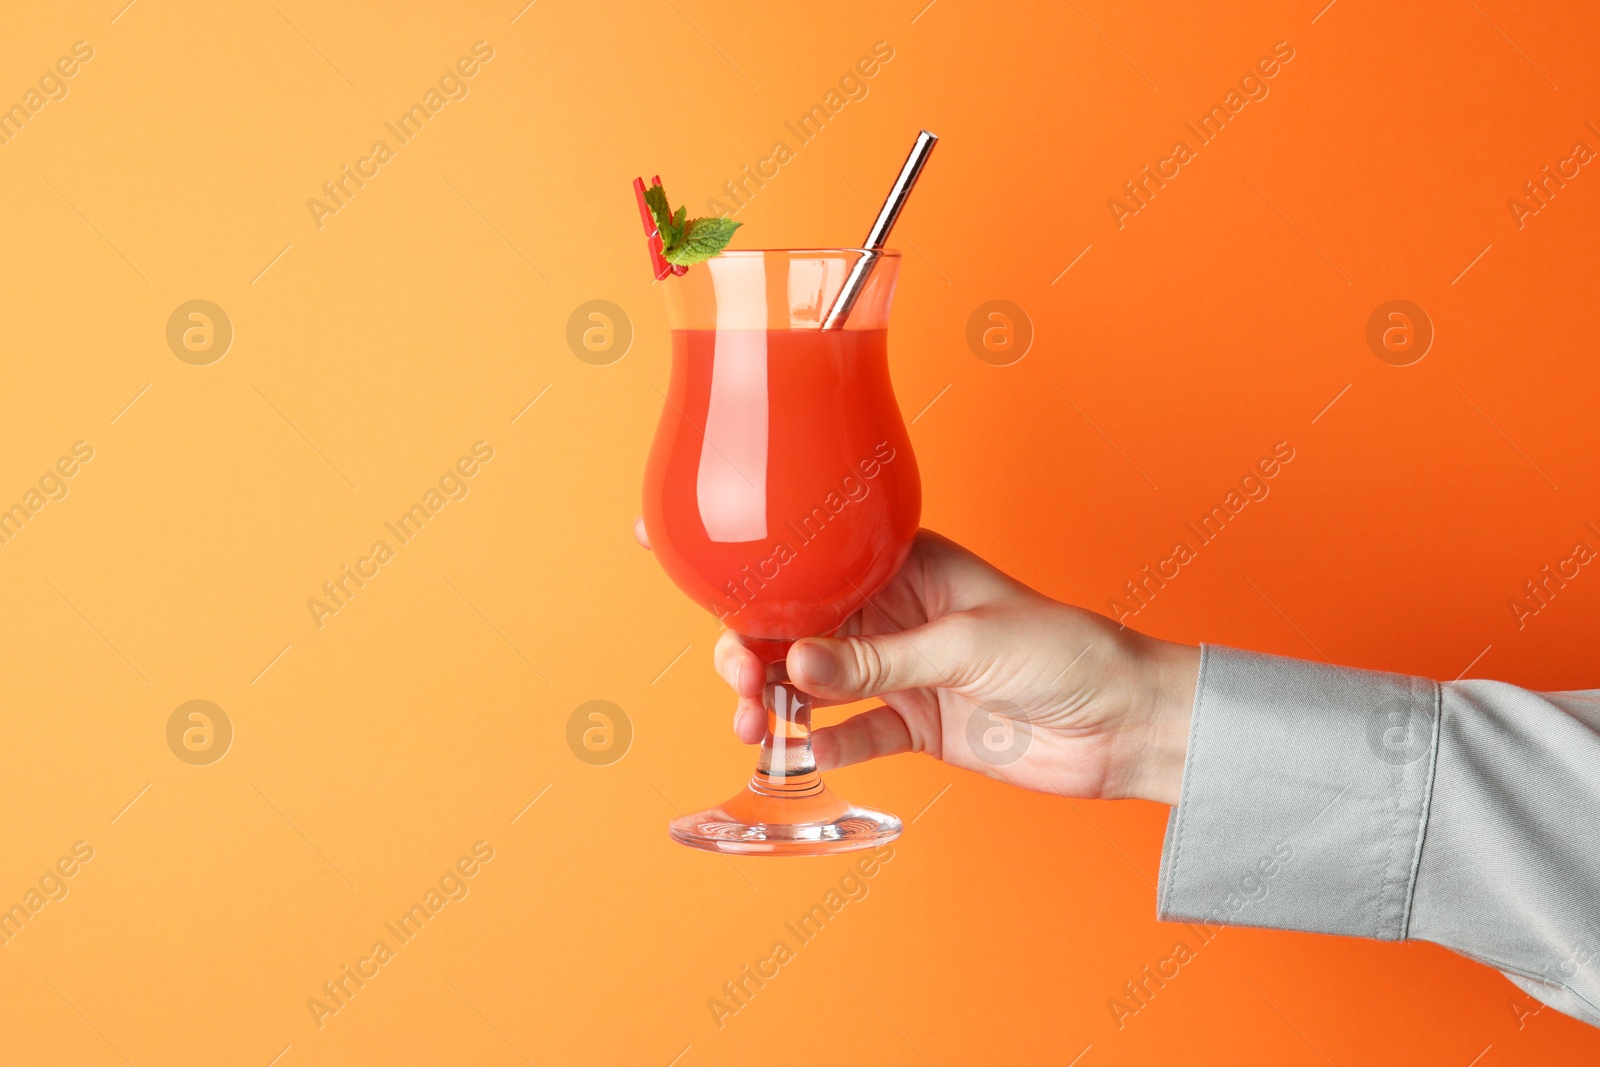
x=431 y=712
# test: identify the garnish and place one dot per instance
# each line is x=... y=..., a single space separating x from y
x=685 y=241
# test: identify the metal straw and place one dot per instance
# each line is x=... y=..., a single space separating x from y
x=857 y=279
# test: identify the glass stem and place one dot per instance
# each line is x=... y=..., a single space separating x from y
x=786 y=767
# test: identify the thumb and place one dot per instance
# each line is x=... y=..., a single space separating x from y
x=854 y=668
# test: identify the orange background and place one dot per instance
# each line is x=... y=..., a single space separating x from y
x=369 y=754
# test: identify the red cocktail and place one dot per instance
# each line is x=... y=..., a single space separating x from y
x=780 y=494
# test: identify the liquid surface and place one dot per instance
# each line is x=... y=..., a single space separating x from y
x=781 y=490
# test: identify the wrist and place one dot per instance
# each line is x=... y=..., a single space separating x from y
x=1169 y=675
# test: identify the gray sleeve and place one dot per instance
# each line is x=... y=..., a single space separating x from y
x=1341 y=801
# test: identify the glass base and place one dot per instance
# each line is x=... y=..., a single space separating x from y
x=756 y=822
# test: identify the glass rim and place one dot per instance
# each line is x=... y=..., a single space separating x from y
x=883 y=253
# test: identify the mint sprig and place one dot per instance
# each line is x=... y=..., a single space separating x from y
x=687 y=241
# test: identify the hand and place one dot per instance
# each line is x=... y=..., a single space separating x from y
x=1099 y=711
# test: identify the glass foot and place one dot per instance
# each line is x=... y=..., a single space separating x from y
x=816 y=823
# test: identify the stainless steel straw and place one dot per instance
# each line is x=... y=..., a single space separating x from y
x=857 y=279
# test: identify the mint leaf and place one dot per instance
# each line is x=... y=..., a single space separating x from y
x=656 y=197
x=686 y=241
x=699 y=240
x=672 y=228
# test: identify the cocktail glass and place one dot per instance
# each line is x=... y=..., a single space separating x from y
x=781 y=493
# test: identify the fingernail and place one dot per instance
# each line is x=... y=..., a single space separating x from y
x=816 y=665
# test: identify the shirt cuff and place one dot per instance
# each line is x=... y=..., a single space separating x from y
x=1305 y=796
